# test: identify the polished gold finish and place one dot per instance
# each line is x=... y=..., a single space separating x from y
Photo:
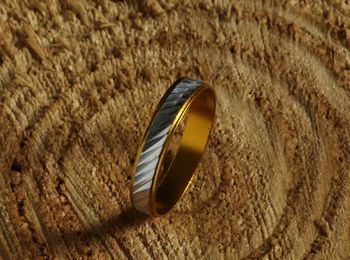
x=200 y=107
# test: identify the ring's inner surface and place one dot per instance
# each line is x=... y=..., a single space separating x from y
x=184 y=152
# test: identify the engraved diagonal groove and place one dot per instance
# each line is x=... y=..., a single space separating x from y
x=164 y=125
x=144 y=186
x=150 y=156
x=147 y=167
x=143 y=182
x=141 y=177
x=169 y=109
x=160 y=134
x=162 y=120
x=170 y=106
x=151 y=146
x=174 y=96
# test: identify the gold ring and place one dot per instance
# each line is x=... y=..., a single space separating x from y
x=154 y=191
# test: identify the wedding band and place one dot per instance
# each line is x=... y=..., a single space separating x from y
x=149 y=193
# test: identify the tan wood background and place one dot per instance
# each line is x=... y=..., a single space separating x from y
x=78 y=84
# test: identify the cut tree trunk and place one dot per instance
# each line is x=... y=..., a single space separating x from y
x=79 y=81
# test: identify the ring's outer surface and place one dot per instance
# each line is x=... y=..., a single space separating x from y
x=184 y=96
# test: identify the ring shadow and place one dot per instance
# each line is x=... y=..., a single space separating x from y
x=125 y=220
x=115 y=226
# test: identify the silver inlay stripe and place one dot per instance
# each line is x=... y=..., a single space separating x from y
x=155 y=141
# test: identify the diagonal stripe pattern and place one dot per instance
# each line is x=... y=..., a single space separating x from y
x=155 y=141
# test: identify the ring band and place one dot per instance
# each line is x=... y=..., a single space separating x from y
x=196 y=99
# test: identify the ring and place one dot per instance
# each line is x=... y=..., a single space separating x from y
x=155 y=193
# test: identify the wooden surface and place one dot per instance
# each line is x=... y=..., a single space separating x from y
x=78 y=84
